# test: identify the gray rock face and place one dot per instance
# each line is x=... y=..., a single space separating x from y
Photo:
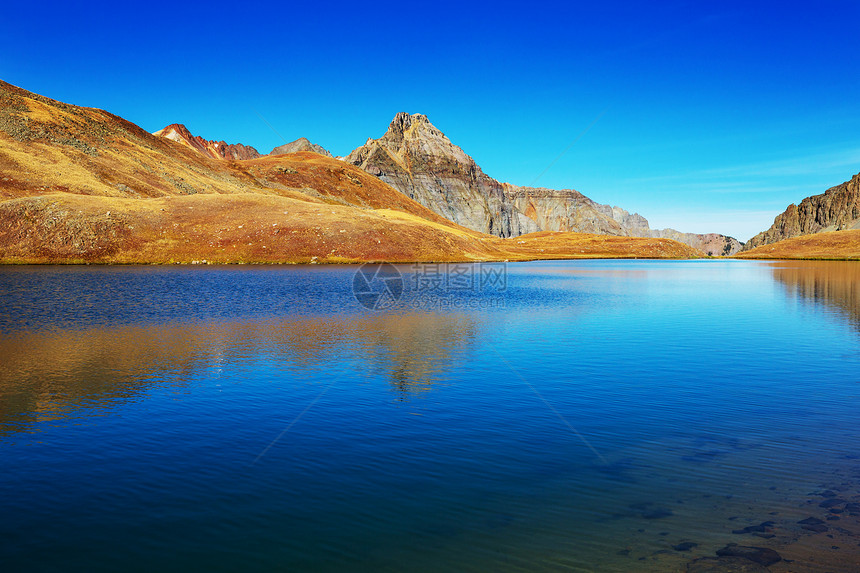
x=301 y=144
x=417 y=159
x=570 y=210
x=712 y=244
x=836 y=209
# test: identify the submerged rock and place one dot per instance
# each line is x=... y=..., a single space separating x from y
x=761 y=555
x=649 y=510
x=815 y=528
x=658 y=513
x=832 y=502
x=761 y=528
x=813 y=524
x=725 y=565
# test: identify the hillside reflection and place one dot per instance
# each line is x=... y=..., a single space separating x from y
x=835 y=284
x=54 y=375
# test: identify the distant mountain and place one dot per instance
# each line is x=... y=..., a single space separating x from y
x=217 y=149
x=301 y=144
x=712 y=244
x=836 y=209
x=416 y=158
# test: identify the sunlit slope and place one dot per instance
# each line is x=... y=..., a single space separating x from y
x=82 y=185
x=830 y=245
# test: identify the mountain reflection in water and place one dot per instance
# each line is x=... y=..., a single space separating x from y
x=834 y=284
x=51 y=375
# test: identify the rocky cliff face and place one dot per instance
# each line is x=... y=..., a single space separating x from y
x=301 y=144
x=417 y=159
x=217 y=149
x=836 y=209
x=712 y=244
x=570 y=210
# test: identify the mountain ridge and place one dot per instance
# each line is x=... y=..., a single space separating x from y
x=216 y=149
x=81 y=185
x=836 y=209
x=233 y=151
x=416 y=158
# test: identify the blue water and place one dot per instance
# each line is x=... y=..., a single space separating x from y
x=579 y=416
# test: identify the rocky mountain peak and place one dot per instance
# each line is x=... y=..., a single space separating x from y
x=175 y=132
x=216 y=149
x=403 y=121
x=301 y=144
x=414 y=157
x=836 y=209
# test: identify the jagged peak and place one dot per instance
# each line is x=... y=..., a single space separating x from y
x=174 y=129
x=403 y=121
x=218 y=149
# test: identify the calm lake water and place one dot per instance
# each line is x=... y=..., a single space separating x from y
x=558 y=416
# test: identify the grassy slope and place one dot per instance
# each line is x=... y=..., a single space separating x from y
x=82 y=185
x=833 y=245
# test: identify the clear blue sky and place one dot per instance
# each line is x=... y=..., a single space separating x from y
x=711 y=116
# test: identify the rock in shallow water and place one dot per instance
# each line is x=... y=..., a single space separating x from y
x=725 y=565
x=832 y=502
x=761 y=528
x=658 y=513
x=761 y=555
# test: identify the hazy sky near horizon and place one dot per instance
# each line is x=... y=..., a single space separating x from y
x=701 y=116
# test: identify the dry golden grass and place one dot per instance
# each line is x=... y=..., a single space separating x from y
x=834 y=245
x=546 y=245
x=255 y=228
x=81 y=185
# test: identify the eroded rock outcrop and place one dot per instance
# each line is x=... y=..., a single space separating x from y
x=217 y=149
x=570 y=210
x=836 y=209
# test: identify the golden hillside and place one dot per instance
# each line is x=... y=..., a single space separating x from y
x=82 y=185
x=830 y=245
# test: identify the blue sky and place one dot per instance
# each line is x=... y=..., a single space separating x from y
x=710 y=116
